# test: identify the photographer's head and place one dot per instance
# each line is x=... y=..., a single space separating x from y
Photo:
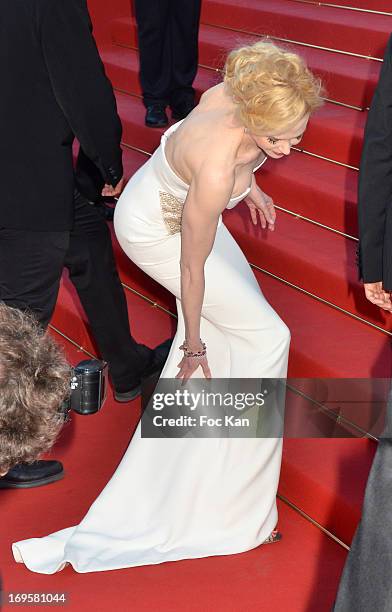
x=34 y=381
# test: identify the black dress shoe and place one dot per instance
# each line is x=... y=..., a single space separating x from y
x=156 y=116
x=159 y=358
x=154 y=368
x=28 y=475
x=180 y=111
x=128 y=396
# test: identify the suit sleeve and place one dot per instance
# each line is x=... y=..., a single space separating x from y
x=375 y=178
x=80 y=85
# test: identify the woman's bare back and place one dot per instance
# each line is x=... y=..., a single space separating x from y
x=212 y=134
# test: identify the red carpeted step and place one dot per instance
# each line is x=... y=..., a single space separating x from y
x=306 y=475
x=326 y=478
x=297 y=250
x=300 y=572
x=305 y=185
x=148 y=324
x=329 y=27
x=122 y=67
x=317 y=329
x=302 y=463
x=299 y=468
x=369 y=6
x=311 y=257
x=314 y=188
x=326 y=343
x=334 y=131
x=348 y=79
x=135 y=133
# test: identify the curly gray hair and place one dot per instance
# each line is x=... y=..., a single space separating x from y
x=34 y=381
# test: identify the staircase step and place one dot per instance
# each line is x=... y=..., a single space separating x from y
x=323 y=340
x=317 y=260
x=323 y=478
x=314 y=188
x=316 y=473
x=334 y=132
x=305 y=185
x=122 y=67
x=312 y=561
x=348 y=79
x=308 y=256
x=326 y=478
x=307 y=477
x=329 y=27
x=303 y=544
x=70 y=319
x=364 y=5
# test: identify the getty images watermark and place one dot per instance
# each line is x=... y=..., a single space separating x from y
x=266 y=408
x=194 y=400
x=214 y=408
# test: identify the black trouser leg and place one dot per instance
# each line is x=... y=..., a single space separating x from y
x=184 y=36
x=31 y=264
x=366 y=583
x=152 y=18
x=93 y=271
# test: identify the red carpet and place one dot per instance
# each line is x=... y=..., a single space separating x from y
x=308 y=273
x=90 y=448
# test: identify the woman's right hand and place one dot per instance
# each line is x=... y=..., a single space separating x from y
x=109 y=191
x=376 y=294
x=189 y=365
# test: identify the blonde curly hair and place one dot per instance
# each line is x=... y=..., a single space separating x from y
x=273 y=87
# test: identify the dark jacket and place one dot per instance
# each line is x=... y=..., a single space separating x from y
x=53 y=88
x=375 y=184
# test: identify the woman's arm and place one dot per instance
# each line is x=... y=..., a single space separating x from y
x=259 y=202
x=208 y=196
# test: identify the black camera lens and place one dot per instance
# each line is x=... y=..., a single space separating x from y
x=88 y=386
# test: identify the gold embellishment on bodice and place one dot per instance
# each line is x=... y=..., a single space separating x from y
x=172 y=211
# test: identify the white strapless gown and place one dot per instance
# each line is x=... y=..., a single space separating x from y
x=184 y=498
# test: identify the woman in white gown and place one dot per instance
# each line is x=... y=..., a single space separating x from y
x=184 y=498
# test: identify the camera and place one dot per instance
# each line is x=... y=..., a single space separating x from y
x=88 y=388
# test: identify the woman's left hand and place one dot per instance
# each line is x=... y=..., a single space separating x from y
x=261 y=203
x=189 y=365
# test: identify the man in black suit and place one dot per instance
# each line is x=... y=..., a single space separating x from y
x=168 y=51
x=367 y=576
x=53 y=89
x=375 y=193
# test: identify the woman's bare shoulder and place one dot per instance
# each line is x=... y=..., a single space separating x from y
x=208 y=137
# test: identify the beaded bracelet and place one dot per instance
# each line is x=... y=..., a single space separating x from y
x=188 y=353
